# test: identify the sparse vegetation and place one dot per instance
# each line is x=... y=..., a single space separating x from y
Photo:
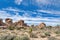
x=57 y=32
x=32 y=35
x=30 y=30
x=6 y=37
x=11 y=27
x=47 y=34
x=43 y=36
x=21 y=31
x=23 y=37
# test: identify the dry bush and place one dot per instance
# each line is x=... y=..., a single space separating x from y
x=13 y=37
x=22 y=37
x=47 y=34
x=57 y=32
x=43 y=36
x=11 y=27
x=32 y=35
x=7 y=37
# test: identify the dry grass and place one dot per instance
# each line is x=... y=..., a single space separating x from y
x=32 y=34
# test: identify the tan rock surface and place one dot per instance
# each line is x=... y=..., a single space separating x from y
x=42 y=25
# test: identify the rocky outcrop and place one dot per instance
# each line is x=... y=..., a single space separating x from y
x=20 y=23
x=42 y=25
x=2 y=23
x=8 y=22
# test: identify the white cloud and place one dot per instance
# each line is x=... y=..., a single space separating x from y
x=18 y=2
x=48 y=2
x=42 y=1
x=12 y=9
x=52 y=21
x=50 y=11
x=4 y=14
x=47 y=23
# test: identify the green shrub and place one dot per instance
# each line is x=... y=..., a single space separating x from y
x=30 y=30
x=57 y=32
x=47 y=34
x=49 y=27
x=19 y=28
x=11 y=28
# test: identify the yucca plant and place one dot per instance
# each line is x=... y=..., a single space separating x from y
x=30 y=30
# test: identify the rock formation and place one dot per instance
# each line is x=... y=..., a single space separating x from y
x=2 y=23
x=42 y=25
x=21 y=23
x=8 y=22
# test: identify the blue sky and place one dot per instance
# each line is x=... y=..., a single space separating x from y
x=31 y=11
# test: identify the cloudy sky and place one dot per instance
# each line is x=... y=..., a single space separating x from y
x=31 y=11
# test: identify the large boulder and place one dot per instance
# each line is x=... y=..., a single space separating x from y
x=8 y=22
x=2 y=23
x=20 y=23
x=42 y=25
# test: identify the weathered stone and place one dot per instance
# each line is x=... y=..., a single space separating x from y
x=20 y=23
x=42 y=25
x=2 y=23
x=8 y=22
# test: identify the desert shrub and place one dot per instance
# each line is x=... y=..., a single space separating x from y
x=15 y=37
x=19 y=28
x=57 y=32
x=11 y=27
x=32 y=25
x=10 y=37
x=34 y=28
x=42 y=36
x=32 y=35
x=47 y=34
x=49 y=27
x=22 y=38
x=3 y=37
x=7 y=37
